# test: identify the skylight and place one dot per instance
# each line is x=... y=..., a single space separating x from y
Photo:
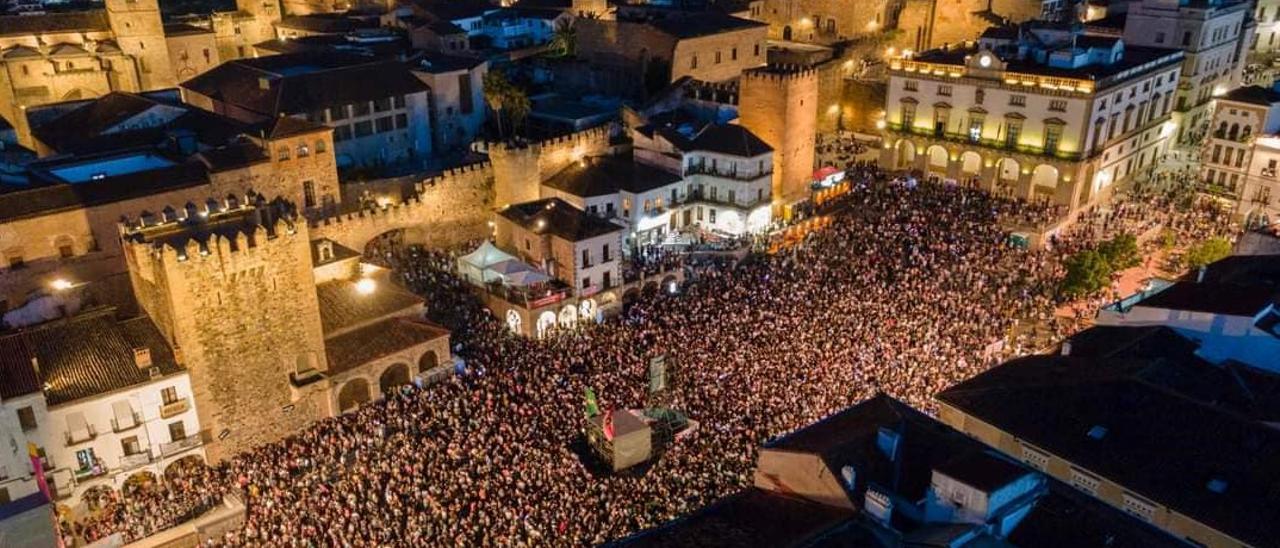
x=1097 y=432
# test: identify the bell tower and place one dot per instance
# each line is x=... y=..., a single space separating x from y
x=139 y=32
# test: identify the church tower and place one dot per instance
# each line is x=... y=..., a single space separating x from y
x=263 y=11
x=231 y=287
x=139 y=32
x=779 y=103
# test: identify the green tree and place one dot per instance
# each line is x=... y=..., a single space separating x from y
x=496 y=90
x=506 y=100
x=1208 y=251
x=1121 y=252
x=518 y=107
x=564 y=41
x=1087 y=272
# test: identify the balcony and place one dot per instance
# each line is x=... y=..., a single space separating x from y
x=175 y=407
x=97 y=470
x=999 y=144
x=735 y=175
x=135 y=460
x=136 y=421
x=544 y=294
x=1237 y=137
x=699 y=196
x=81 y=436
x=178 y=446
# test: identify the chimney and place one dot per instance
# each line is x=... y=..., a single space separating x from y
x=142 y=357
x=35 y=364
x=1200 y=274
x=1066 y=348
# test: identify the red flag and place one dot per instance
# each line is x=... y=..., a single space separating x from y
x=608 y=424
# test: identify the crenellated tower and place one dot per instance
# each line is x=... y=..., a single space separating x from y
x=779 y=103
x=230 y=284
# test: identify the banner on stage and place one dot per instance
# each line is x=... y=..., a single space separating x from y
x=657 y=374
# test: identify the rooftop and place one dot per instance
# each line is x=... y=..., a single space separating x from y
x=184 y=29
x=122 y=119
x=1105 y=417
x=605 y=175
x=82 y=356
x=1256 y=95
x=377 y=340
x=326 y=23
x=982 y=471
x=729 y=139
x=48 y=192
x=342 y=307
x=1215 y=298
x=1133 y=57
x=559 y=218
x=857 y=437
x=295 y=83
x=703 y=24
x=53 y=23
x=753 y=517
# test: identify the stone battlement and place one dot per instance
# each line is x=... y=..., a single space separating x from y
x=780 y=73
x=220 y=227
x=570 y=139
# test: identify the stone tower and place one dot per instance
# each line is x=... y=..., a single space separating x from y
x=589 y=8
x=263 y=11
x=140 y=33
x=779 y=103
x=231 y=287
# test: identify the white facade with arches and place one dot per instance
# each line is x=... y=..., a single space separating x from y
x=1059 y=125
x=99 y=441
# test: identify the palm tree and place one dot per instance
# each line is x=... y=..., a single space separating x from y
x=565 y=40
x=517 y=105
x=496 y=90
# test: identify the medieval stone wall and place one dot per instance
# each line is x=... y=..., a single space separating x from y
x=243 y=321
x=780 y=106
x=520 y=169
x=441 y=211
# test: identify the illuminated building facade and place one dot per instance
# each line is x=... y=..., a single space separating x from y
x=1241 y=155
x=1041 y=113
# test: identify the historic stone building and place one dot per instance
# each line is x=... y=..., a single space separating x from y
x=124 y=153
x=276 y=329
x=920 y=24
x=779 y=104
x=1241 y=155
x=1042 y=113
x=124 y=46
x=711 y=47
x=1214 y=35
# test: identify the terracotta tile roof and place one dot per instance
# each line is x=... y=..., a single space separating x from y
x=82 y=356
x=342 y=307
x=295 y=83
x=379 y=339
x=50 y=23
x=558 y=217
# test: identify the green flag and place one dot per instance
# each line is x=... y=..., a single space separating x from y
x=589 y=402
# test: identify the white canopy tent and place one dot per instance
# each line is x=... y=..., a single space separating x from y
x=488 y=263
x=472 y=266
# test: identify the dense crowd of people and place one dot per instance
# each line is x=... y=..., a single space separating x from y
x=909 y=290
x=907 y=287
